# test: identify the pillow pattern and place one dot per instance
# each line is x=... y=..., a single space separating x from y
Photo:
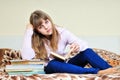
x=7 y=54
x=112 y=58
x=62 y=76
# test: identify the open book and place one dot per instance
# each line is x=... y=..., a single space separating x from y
x=55 y=55
x=64 y=58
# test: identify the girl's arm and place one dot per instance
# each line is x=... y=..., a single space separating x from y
x=27 y=52
x=76 y=43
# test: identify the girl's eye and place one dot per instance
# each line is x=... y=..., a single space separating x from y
x=46 y=21
x=40 y=26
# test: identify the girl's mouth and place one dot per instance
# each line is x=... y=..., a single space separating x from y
x=48 y=30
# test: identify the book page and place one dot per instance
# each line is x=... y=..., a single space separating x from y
x=58 y=56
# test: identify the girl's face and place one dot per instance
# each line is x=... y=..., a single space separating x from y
x=45 y=28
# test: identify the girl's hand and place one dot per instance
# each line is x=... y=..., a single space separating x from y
x=74 y=47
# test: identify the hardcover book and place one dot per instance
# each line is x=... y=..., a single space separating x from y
x=25 y=67
x=34 y=61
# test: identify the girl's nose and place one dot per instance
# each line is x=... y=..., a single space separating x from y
x=45 y=26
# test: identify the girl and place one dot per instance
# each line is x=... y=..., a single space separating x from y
x=42 y=36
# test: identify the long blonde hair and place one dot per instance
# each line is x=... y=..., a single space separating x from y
x=38 y=39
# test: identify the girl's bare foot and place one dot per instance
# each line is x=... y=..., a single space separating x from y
x=108 y=71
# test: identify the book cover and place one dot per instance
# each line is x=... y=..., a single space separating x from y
x=35 y=61
x=26 y=73
x=25 y=66
x=24 y=69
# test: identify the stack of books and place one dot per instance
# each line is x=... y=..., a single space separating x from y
x=25 y=67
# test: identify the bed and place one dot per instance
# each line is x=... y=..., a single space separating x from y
x=7 y=54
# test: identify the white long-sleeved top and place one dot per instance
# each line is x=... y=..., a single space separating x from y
x=66 y=38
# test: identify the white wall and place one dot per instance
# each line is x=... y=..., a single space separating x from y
x=86 y=18
x=110 y=43
x=13 y=42
x=83 y=17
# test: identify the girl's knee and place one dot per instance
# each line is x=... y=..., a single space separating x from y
x=88 y=50
x=53 y=63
